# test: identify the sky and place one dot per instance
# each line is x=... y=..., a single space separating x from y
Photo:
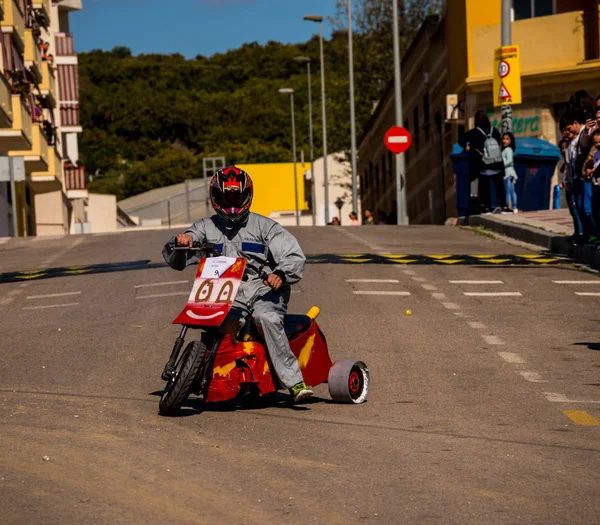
x=193 y=27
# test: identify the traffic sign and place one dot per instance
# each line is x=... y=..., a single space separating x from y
x=507 y=76
x=398 y=139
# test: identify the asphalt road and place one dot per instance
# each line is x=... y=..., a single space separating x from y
x=484 y=408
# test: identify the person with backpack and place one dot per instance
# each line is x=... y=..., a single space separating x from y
x=485 y=161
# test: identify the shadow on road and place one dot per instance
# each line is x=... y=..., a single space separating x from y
x=590 y=346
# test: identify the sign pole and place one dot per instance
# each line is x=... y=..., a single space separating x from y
x=13 y=197
x=400 y=161
x=506 y=110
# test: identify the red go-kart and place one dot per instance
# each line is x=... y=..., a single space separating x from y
x=219 y=370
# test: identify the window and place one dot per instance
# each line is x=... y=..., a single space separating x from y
x=523 y=9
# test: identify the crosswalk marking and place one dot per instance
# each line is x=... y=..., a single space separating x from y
x=588 y=294
x=49 y=306
x=63 y=294
x=372 y=292
x=595 y=281
x=476 y=282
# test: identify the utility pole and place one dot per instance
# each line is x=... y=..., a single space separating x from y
x=506 y=111
x=352 y=113
x=13 y=196
x=400 y=161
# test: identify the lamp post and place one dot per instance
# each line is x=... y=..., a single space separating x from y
x=319 y=20
x=290 y=92
x=352 y=115
x=306 y=60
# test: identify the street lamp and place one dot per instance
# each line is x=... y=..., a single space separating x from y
x=290 y=92
x=306 y=60
x=352 y=115
x=319 y=20
x=338 y=204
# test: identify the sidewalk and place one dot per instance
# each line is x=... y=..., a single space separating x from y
x=548 y=229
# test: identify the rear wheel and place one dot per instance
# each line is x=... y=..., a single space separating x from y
x=349 y=382
x=181 y=384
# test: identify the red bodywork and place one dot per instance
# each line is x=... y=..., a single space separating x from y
x=237 y=367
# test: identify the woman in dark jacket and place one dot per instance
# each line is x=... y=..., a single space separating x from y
x=473 y=141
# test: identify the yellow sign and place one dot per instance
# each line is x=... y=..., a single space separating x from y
x=507 y=76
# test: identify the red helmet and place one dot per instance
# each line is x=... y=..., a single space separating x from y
x=231 y=192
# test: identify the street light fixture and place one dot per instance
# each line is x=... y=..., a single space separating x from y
x=319 y=20
x=307 y=61
x=290 y=92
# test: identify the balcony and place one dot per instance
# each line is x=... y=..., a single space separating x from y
x=65 y=46
x=53 y=174
x=536 y=36
x=48 y=84
x=69 y=5
x=33 y=56
x=13 y=22
x=75 y=178
x=43 y=7
x=6 y=111
x=36 y=158
x=19 y=135
x=69 y=116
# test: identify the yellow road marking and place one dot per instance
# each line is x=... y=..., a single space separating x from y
x=76 y=272
x=394 y=256
x=483 y=256
x=32 y=276
x=544 y=261
x=497 y=261
x=356 y=260
x=451 y=261
x=536 y=256
x=581 y=417
x=352 y=255
x=439 y=257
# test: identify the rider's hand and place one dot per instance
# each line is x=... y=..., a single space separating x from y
x=274 y=281
x=185 y=240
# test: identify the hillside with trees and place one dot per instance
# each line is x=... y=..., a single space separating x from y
x=149 y=120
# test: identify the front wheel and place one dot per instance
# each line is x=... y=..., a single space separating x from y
x=348 y=382
x=181 y=383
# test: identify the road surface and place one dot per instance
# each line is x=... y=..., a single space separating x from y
x=484 y=406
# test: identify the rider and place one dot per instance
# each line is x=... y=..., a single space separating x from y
x=238 y=233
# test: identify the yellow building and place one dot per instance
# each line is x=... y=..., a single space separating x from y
x=31 y=123
x=560 y=54
x=274 y=187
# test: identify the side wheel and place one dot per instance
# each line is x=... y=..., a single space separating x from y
x=349 y=382
x=181 y=384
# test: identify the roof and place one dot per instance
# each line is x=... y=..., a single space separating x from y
x=527 y=147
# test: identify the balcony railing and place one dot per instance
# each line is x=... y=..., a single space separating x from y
x=13 y=21
x=43 y=6
x=33 y=55
x=69 y=115
x=36 y=158
x=75 y=178
x=48 y=85
x=65 y=46
x=5 y=103
x=22 y=117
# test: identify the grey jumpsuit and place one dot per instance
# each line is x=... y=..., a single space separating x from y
x=264 y=243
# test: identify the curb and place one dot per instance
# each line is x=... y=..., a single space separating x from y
x=550 y=241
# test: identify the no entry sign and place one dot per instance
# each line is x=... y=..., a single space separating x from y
x=398 y=139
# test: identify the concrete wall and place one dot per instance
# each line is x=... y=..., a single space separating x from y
x=102 y=213
x=52 y=214
x=5 y=211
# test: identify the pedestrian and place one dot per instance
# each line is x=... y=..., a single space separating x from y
x=485 y=161
x=369 y=219
x=510 y=175
x=353 y=219
x=567 y=182
x=582 y=189
x=591 y=172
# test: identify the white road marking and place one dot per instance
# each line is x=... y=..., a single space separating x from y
x=419 y=279
x=160 y=284
x=492 y=340
x=595 y=281
x=171 y=294
x=533 y=377
x=49 y=306
x=561 y=398
x=439 y=296
x=588 y=294
x=460 y=314
x=370 y=281
x=409 y=272
x=64 y=294
x=476 y=282
x=451 y=306
x=493 y=294
x=511 y=357
x=429 y=287
x=9 y=297
x=48 y=238
x=476 y=325
x=370 y=292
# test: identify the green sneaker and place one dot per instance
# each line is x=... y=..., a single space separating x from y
x=300 y=392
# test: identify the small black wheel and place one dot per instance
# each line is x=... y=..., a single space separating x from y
x=181 y=383
x=349 y=382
